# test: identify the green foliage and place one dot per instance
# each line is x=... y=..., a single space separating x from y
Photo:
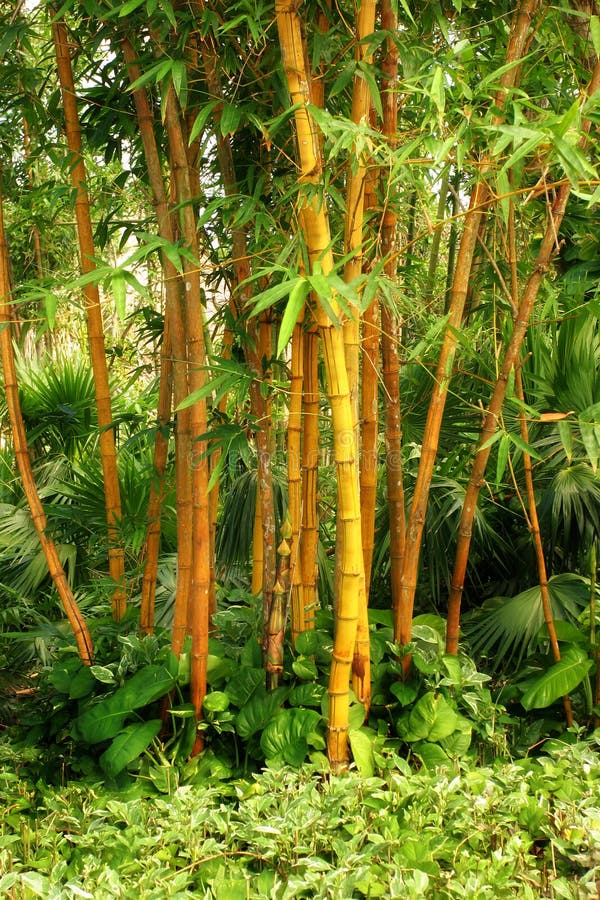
x=522 y=828
x=102 y=714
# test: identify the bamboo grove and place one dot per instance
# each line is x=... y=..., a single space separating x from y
x=351 y=221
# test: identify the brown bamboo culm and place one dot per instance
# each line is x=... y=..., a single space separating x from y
x=21 y=450
x=479 y=199
x=544 y=257
x=108 y=453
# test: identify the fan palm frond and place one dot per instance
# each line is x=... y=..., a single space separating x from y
x=506 y=629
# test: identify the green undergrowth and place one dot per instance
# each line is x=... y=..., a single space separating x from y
x=529 y=828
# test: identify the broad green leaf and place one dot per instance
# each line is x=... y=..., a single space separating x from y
x=560 y=679
x=431 y=755
x=215 y=702
x=404 y=691
x=128 y=745
x=103 y=674
x=307 y=694
x=452 y=666
x=361 y=744
x=244 y=683
x=105 y=719
x=82 y=684
x=286 y=737
x=458 y=743
x=431 y=718
x=259 y=711
x=305 y=668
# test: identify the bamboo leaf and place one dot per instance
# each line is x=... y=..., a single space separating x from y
x=292 y=312
x=365 y=71
x=502 y=457
x=595 y=33
x=523 y=446
x=343 y=79
x=179 y=76
x=437 y=90
x=269 y=297
x=560 y=679
x=129 y=7
x=201 y=119
x=119 y=293
x=230 y=119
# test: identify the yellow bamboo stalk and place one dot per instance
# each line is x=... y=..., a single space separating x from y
x=294 y=479
x=309 y=542
x=353 y=246
x=318 y=241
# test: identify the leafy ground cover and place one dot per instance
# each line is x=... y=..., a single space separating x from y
x=527 y=828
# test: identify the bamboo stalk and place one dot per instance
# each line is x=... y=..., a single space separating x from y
x=294 y=479
x=278 y=611
x=353 y=248
x=261 y=409
x=544 y=257
x=534 y=529
x=309 y=542
x=11 y=388
x=116 y=553
x=390 y=326
x=172 y=356
x=198 y=611
x=369 y=456
x=443 y=375
x=151 y=549
x=318 y=241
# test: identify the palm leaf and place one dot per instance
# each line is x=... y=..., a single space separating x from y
x=505 y=629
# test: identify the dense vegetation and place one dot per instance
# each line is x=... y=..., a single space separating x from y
x=526 y=829
x=300 y=446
